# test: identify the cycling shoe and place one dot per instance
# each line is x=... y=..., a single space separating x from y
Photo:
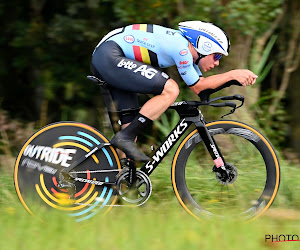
x=129 y=148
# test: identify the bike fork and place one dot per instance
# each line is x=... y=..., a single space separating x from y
x=211 y=145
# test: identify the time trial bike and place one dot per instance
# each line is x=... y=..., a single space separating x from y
x=220 y=168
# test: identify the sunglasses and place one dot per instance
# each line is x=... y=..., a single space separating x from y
x=217 y=57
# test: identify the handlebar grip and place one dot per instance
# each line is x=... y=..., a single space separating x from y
x=224 y=104
x=230 y=104
x=239 y=97
x=204 y=95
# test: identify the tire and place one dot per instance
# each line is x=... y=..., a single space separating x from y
x=202 y=194
x=51 y=149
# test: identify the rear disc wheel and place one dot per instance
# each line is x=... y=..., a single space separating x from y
x=55 y=147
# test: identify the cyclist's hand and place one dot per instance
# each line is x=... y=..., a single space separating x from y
x=244 y=76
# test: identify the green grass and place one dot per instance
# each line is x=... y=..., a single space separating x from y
x=160 y=224
x=150 y=227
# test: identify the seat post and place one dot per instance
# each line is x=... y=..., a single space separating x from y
x=109 y=103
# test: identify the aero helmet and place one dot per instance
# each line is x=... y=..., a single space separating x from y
x=206 y=37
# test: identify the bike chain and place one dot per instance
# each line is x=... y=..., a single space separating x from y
x=99 y=183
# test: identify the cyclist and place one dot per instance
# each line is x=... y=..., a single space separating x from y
x=129 y=60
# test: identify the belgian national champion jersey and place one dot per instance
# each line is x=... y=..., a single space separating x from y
x=158 y=46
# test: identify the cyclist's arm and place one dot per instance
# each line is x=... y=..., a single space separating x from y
x=183 y=59
x=210 y=82
x=245 y=77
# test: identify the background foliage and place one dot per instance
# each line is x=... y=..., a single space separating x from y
x=46 y=48
x=45 y=52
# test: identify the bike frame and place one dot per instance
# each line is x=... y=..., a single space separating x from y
x=126 y=178
x=189 y=115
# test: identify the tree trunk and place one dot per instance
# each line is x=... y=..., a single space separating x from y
x=292 y=57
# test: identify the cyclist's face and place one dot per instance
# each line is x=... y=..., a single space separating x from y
x=208 y=62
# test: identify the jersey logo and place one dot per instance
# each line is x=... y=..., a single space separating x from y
x=184 y=66
x=172 y=33
x=164 y=75
x=183 y=62
x=129 y=39
x=149 y=73
x=144 y=70
x=126 y=64
x=183 y=52
x=142 y=119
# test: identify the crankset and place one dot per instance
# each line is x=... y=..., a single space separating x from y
x=138 y=192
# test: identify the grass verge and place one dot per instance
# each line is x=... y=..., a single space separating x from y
x=161 y=224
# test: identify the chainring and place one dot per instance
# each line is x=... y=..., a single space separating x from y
x=139 y=193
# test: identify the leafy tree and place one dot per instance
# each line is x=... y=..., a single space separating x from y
x=46 y=47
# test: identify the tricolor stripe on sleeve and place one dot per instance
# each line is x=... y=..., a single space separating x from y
x=142 y=54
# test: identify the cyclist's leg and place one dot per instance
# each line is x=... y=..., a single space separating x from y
x=124 y=100
x=157 y=105
x=137 y=77
x=150 y=111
